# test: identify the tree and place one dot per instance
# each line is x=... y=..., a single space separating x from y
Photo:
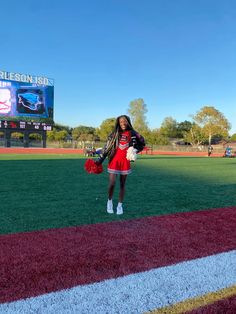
x=84 y=134
x=60 y=127
x=35 y=136
x=51 y=135
x=169 y=127
x=17 y=135
x=183 y=127
x=60 y=136
x=233 y=137
x=105 y=129
x=212 y=122
x=137 y=111
x=155 y=137
x=85 y=130
x=194 y=136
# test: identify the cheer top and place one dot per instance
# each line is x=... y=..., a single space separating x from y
x=119 y=163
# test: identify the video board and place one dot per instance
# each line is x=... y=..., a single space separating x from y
x=26 y=98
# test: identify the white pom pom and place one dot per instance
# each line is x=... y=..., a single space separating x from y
x=131 y=153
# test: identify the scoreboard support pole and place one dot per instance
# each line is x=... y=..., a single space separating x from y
x=26 y=139
x=7 y=137
x=44 y=138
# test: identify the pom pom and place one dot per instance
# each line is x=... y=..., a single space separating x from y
x=131 y=153
x=92 y=167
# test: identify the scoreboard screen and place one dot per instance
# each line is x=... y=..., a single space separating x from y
x=24 y=98
x=25 y=125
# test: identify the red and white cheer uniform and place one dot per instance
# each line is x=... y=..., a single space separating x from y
x=119 y=163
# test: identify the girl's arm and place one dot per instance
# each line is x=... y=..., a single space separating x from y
x=137 y=141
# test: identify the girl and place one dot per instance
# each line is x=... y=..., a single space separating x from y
x=115 y=149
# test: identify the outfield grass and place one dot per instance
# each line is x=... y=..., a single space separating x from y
x=52 y=191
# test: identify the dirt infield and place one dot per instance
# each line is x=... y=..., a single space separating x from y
x=22 y=150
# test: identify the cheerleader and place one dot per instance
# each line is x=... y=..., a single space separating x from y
x=121 y=148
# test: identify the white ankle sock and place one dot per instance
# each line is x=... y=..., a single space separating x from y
x=119 y=204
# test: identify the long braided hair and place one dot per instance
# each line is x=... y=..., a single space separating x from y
x=113 y=140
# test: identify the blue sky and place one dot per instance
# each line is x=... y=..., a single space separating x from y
x=178 y=55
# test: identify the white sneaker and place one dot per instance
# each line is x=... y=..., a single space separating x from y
x=119 y=210
x=110 y=207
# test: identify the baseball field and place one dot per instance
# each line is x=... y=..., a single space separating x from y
x=172 y=251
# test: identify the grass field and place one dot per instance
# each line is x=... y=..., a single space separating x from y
x=61 y=252
x=53 y=191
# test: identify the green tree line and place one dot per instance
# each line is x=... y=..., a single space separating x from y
x=207 y=126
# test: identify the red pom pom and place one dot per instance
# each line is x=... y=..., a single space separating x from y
x=91 y=167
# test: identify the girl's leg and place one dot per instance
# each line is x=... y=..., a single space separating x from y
x=119 y=209
x=111 y=187
x=122 y=188
x=112 y=182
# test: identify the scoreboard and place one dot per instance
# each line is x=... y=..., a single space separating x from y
x=25 y=125
x=26 y=98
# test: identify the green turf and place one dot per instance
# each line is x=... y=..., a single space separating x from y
x=52 y=191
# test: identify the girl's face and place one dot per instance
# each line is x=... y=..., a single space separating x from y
x=123 y=123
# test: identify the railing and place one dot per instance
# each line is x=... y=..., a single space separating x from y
x=148 y=150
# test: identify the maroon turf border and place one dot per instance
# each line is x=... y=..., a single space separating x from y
x=39 y=262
